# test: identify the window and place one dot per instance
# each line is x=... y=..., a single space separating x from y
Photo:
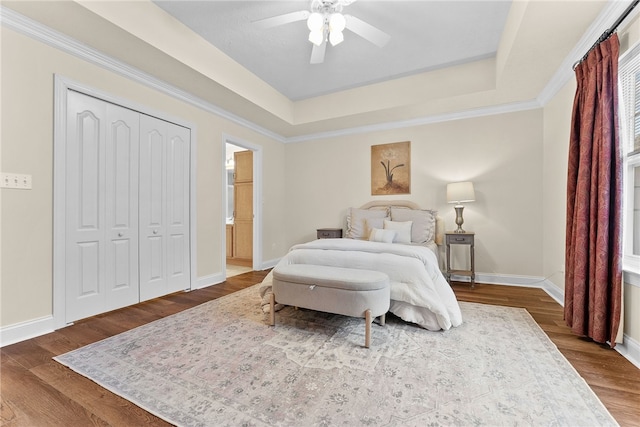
x=629 y=75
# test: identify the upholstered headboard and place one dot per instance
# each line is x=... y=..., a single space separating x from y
x=398 y=207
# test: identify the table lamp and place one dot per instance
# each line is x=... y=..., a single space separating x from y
x=458 y=193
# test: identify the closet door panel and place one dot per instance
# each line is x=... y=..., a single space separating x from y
x=178 y=208
x=164 y=208
x=153 y=183
x=123 y=133
x=85 y=217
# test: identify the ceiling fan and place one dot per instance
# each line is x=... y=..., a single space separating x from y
x=326 y=23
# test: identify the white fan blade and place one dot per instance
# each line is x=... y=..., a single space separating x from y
x=317 y=53
x=287 y=18
x=366 y=31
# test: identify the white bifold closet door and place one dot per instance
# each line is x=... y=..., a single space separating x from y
x=127 y=207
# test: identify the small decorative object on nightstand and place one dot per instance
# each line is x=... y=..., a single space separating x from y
x=457 y=238
x=329 y=233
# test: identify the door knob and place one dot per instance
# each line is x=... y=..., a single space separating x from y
x=120 y=234
x=155 y=231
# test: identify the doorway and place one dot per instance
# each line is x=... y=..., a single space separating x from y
x=240 y=184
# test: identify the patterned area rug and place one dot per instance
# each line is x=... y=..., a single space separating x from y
x=221 y=364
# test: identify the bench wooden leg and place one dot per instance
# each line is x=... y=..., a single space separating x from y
x=272 y=310
x=383 y=319
x=367 y=330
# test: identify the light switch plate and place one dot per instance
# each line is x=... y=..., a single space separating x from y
x=16 y=181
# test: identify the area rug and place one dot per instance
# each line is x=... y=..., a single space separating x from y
x=221 y=364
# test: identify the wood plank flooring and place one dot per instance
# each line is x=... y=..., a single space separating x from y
x=37 y=391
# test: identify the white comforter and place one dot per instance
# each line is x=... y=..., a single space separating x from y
x=419 y=292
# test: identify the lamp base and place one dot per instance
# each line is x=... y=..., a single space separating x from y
x=459 y=219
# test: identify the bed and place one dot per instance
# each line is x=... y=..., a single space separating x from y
x=399 y=239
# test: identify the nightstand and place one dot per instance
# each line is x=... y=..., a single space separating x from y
x=329 y=233
x=452 y=238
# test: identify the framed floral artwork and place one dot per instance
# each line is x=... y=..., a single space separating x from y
x=391 y=168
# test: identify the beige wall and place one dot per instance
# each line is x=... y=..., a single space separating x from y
x=28 y=69
x=557 y=120
x=501 y=154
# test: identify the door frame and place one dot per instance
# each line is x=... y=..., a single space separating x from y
x=62 y=85
x=256 y=261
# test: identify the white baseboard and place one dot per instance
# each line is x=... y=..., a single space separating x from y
x=503 y=279
x=269 y=263
x=26 y=330
x=630 y=349
x=205 y=281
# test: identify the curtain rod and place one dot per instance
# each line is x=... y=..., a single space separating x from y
x=609 y=32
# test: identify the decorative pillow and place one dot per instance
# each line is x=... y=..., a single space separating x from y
x=403 y=230
x=424 y=223
x=371 y=223
x=380 y=235
x=356 y=221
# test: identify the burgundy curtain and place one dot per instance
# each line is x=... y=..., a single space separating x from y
x=593 y=275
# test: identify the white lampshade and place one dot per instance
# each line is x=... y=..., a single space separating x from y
x=459 y=192
x=316 y=37
x=315 y=22
x=336 y=37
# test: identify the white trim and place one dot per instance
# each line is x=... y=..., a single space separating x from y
x=210 y=280
x=631 y=277
x=59 y=197
x=554 y=292
x=26 y=330
x=269 y=263
x=193 y=226
x=257 y=199
x=512 y=280
x=630 y=350
x=436 y=118
x=503 y=279
x=61 y=86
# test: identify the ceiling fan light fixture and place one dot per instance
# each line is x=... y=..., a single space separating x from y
x=337 y=22
x=316 y=37
x=336 y=37
x=315 y=22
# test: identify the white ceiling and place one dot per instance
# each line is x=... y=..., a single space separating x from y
x=424 y=35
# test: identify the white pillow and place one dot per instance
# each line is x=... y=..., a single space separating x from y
x=424 y=223
x=380 y=235
x=356 y=221
x=403 y=230
x=371 y=223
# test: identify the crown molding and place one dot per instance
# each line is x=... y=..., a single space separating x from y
x=420 y=121
x=44 y=34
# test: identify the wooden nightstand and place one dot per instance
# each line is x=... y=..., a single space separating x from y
x=329 y=233
x=452 y=238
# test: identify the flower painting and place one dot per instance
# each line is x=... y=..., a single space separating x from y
x=391 y=168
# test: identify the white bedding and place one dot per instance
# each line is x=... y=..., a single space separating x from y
x=419 y=292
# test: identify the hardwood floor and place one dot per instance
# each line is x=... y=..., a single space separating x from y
x=37 y=391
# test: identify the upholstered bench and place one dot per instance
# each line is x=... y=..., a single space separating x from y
x=337 y=290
